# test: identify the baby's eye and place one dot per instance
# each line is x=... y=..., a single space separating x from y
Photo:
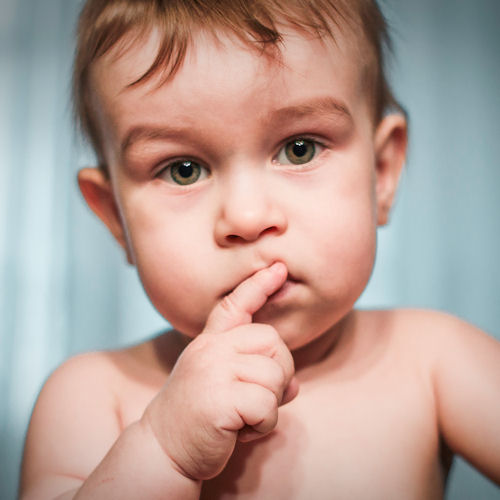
x=183 y=172
x=297 y=152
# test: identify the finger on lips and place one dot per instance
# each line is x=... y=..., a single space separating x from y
x=246 y=299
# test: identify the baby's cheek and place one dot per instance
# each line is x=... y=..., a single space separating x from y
x=175 y=294
x=350 y=255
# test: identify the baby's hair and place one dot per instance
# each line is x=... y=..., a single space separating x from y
x=111 y=23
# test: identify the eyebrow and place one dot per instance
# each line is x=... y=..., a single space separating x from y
x=316 y=107
x=142 y=133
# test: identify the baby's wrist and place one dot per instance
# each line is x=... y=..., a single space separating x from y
x=169 y=474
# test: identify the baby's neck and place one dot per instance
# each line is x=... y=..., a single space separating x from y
x=166 y=348
x=324 y=346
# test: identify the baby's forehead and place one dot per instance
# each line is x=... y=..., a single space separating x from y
x=227 y=87
x=138 y=57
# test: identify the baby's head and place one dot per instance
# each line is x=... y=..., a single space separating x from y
x=233 y=134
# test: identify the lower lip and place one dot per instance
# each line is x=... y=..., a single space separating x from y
x=283 y=292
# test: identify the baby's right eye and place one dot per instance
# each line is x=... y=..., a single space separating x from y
x=183 y=172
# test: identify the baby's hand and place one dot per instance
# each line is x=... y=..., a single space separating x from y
x=227 y=384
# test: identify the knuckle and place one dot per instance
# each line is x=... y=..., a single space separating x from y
x=269 y=403
x=228 y=304
x=270 y=334
x=201 y=357
x=278 y=377
x=289 y=365
x=198 y=347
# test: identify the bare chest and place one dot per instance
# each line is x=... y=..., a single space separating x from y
x=366 y=431
x=344 y=442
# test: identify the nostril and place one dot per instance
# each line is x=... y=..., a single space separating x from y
x=270 y=230
x=235 y=238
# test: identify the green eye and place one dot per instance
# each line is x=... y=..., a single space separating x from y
x=184 y=172
x=297 y=152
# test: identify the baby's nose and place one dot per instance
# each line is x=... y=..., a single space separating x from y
x=246 y=214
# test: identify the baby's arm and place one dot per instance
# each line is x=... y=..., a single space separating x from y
x=227 y=384
x=467 y=388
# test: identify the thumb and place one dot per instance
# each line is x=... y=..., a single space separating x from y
x=246 y=299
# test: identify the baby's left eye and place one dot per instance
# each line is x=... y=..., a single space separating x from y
x=297 y=152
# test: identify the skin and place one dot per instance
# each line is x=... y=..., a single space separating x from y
x=257 y=266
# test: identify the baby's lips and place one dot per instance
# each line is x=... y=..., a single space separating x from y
x=228 y=291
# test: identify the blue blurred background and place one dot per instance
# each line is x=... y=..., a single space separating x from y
x=65 y=286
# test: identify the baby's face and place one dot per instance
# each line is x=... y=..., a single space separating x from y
x=236 y=163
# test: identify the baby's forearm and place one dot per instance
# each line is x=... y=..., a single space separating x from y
x=136 y=467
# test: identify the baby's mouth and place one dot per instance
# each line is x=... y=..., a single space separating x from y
x=290 y=280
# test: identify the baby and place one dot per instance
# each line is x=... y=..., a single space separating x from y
x=247 y=152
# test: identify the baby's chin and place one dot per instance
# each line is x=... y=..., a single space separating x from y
x=299 y=327
x=185 y=326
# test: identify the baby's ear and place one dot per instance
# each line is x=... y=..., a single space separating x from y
x=391 y=139
x=96 y=188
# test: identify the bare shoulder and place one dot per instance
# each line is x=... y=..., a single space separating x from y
x=78 y=414
x=431 y=329
x=83 y=380
x=439 y=343
x=82 y=372
x=92 y=383
x=463 y=364
x=106 y=372
x=73 y=423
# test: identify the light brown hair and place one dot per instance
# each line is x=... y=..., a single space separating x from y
x=105 y=23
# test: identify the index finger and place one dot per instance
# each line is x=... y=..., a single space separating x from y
x=238 y=307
